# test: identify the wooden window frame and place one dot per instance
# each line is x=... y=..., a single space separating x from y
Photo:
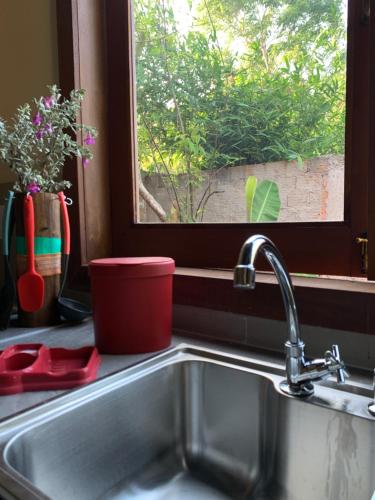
x=82 y=64
x=108 y=194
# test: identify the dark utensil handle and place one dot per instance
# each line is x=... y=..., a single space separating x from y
x=6 y=222
x=65 y=263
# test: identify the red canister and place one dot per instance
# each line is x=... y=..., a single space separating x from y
x=132 y=303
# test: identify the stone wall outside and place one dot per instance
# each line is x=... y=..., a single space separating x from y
x=312 y=192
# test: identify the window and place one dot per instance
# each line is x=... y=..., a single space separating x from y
x=240 y=110
x=309 y=247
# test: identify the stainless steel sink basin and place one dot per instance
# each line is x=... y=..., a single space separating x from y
x=191 y=424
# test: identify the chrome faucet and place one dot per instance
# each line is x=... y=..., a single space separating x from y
x=299 y=372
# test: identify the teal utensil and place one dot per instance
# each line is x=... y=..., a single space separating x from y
x=8 y=290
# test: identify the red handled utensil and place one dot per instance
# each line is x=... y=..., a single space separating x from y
x=30 y=285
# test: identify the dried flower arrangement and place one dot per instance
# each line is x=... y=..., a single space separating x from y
x=39 y=139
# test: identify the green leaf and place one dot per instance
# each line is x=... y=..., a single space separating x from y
x=266 y=202
x=250 y=188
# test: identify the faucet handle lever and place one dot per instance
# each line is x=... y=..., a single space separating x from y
x=340 y=373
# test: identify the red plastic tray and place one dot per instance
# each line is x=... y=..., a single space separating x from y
x=35 y=367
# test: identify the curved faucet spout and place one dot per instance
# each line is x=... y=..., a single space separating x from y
x=244 y=277
x=300 y=373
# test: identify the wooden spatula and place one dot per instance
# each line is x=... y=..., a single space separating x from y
x=30 y=286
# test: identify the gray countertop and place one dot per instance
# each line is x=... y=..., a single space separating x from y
x=68 y=336
x=75 y=336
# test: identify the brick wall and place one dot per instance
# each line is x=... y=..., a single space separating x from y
x=312 y=192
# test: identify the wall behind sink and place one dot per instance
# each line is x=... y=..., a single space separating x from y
x=29 y=62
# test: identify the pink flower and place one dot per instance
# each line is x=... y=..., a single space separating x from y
x=89 y=139
x=32 y=188
x=85 y=162
x=48 y=101
x=37 y=120
x=39 y=134
x=48 y=128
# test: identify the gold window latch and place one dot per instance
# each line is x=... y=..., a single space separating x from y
x=363 y=241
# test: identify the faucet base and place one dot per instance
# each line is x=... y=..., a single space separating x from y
x=371 y=409
x=300 y=391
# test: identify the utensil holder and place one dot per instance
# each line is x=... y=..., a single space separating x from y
x=47 y=255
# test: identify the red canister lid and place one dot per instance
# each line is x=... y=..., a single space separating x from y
x=132 y=267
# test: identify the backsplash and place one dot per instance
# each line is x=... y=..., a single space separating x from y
x=357 y=349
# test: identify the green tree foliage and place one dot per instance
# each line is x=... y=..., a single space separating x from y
x=246 y=81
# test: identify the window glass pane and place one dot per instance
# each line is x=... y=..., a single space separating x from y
x=240 y=110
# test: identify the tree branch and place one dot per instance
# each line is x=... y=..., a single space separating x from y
x=151 y=202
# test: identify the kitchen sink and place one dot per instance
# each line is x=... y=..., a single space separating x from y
x=191 y=423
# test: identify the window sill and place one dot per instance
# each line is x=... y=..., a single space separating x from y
x=338 y=303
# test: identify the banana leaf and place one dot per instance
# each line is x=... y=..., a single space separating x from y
x=266 y=202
